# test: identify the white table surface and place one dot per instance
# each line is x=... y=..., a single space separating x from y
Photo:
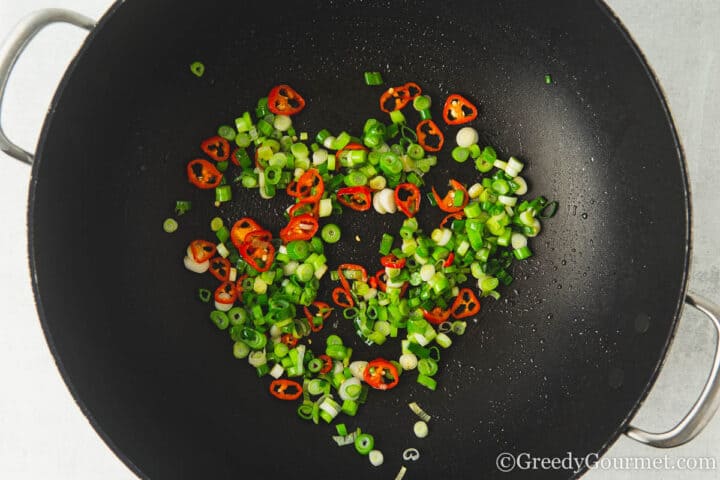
x=43 y=434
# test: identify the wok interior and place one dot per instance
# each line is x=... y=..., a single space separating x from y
x=556 y=365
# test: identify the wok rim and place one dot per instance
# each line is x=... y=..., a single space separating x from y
x=119 y=453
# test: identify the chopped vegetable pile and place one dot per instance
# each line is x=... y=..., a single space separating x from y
x=430 y=283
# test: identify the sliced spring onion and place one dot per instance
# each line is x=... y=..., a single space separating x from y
x=240 y=350
x=408 y=361
x=216 y=224
x=182 y=207
x=376 y=458
x=222 y=250
x=411 y=454
x=330 y=233
x=401 y=473
x=423 y=276
x=466 y=137
x=282 y=123
x=170 y=225
x=325 y=208
x=349 y=439
x=196 y=267
x=197 y=68
x=373 y=78
x=420 y=429
x=424 y=416
x=364 y=443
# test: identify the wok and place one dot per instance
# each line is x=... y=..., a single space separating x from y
x=560 y=364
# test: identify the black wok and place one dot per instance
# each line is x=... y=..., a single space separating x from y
x=559 y=364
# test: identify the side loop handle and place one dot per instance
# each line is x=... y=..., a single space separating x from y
x=14 y=46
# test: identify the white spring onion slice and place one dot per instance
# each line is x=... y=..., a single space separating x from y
x=522 y=186
x=419 y=412
x=222 y=250
x=443 y=340
x=223 y=307
x=441 y=236
x=275 y=332
x=348 y=439
x=194 y=266
x=427 y=271
x=325 y=207
x=411 y=454
x=357 y=368
x=463 y=248
x=408 y=361
x=377 y=204
x=421 y=339
x=257 y=358
x=300 y=354
x=277 y=371
x=327 y=143
x=401 y=473
x=343 y=389
x=387 y=200
x=420 y=429
x=376 y=458
x=475 y=190
x=233 y=274
x=321 y=271
x=514 y=166
x=282 y=122
x=260 y=286
x=536 y=227
x=377 y=183
x=444 y=327
x=499 y=164
x=328 y=407
x=466 y=137
x=371 y=293
x=290 y=267
x=507 y=200
x=420 y=260
x=518 y=240
x=320 y=156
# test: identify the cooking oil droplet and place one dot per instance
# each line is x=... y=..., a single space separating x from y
x=584 y=216
x=559 y=286
x=564 y=262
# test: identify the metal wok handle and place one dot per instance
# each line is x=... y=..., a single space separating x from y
x=13 y=47
x=702 y=412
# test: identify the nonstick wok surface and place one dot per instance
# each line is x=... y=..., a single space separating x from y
x=559 y=364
